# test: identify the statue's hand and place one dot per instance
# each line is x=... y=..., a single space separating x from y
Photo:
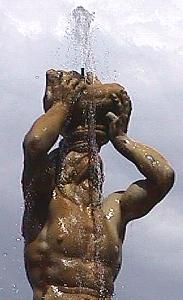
x=117 y=125
x=62 y=87
x=118 y=121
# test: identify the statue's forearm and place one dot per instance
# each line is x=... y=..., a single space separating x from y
x=148 y=160
x=46 y=129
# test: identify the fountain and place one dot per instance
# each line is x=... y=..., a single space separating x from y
x=73 y=238
x=80 y=34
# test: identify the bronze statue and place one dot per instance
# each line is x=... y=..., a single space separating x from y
x=73 y=239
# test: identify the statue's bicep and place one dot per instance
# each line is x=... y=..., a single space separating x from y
x=139 y=199
x=38 y=179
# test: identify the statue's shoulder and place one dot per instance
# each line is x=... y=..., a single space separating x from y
x=112 y=201
x=115 y=196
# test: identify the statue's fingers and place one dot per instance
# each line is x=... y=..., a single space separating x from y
x=79 y=89
x=117 y=103
x=71 y=76
x=115 y=99
x=48 y=98
x=49 y=93
x=52 y=77
x=60 y=75
x=92 y=78
x=75 y=74
x=123 y=122
x=73 y=83
x=50 y=74
x=82 y=85
x=111 y=116
x=66 y=78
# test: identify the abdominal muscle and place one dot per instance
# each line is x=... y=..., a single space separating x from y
x=61 y=262
x=57 y=292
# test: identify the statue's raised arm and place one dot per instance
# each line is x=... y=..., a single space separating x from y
x=38 y=180
x=142 y=195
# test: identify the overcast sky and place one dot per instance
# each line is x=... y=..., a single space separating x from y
x=139 y=44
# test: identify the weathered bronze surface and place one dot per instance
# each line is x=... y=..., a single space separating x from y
x=73 y=240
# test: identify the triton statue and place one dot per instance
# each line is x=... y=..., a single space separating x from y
x=73 y=239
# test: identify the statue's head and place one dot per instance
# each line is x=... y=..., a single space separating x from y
x=89 y=112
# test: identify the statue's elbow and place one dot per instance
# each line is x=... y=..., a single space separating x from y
x=171 y=178
x=32 y=145
x=168 y=179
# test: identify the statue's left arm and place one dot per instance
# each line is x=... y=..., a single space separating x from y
x=143 y=195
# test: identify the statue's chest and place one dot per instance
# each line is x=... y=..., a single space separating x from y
x=80 y=232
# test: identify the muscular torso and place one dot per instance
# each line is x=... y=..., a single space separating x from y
x=77 y=250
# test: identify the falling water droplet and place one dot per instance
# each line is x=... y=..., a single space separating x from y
x=15 y=288
x=18 y=239
x=110 y=214
x=115 y=75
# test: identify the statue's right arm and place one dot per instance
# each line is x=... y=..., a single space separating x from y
x=38 y=174
x=44 y=132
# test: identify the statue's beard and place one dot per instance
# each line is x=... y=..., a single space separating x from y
x=82 y=139
x=77 y=167
x=81 y=176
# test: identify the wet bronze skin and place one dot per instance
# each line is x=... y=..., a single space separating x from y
x=66 y=255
